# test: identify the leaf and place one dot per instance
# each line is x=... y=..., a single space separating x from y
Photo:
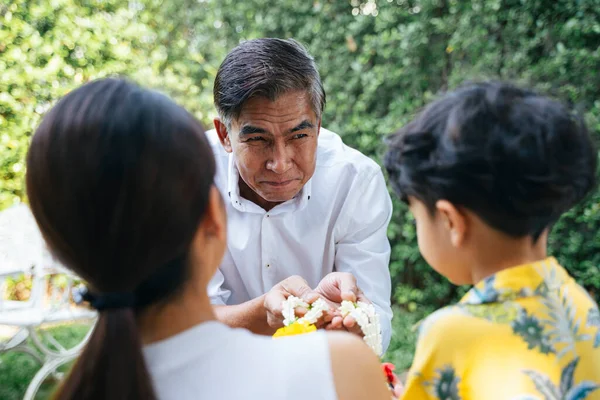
x=563 y=321
x=593 y=318
x=544 y=385
x=566 y=377
x=564 y=351
x=581 y=391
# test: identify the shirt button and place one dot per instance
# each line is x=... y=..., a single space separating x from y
x=268 y=215
x=268 y=265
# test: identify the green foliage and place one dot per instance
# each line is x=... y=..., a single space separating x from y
x=380 y=62
x=402 y=345
x=383 y=60
x=17 y=288
x=48 y=48
x=18 y=369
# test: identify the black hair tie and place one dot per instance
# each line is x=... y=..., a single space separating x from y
x=104 y=301
x=158 y=286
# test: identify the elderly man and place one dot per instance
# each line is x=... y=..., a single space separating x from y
x=307 y=215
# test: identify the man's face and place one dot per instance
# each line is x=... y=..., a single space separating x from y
x=275 y=146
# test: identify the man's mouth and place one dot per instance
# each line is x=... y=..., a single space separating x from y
x=279 y=183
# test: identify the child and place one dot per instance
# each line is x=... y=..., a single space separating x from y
x=486 y=171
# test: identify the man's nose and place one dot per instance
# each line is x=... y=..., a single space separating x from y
x=281 y=159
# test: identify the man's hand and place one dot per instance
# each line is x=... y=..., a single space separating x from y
x=336 y=287
x=294 y=285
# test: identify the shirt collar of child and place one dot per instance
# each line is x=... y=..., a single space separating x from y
x=517 y=282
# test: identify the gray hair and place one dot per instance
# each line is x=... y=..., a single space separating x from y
x=267 y=68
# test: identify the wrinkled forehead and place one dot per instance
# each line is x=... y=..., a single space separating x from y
x=278 y=115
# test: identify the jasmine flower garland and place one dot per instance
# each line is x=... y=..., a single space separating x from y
x=364 y=314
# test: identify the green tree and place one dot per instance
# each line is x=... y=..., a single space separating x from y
x=48 y=48
x=380 y=60
x=383 y=60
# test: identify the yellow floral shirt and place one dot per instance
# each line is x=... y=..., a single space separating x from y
x=527 y=333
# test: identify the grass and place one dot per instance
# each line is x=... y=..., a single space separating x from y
x=17 y=369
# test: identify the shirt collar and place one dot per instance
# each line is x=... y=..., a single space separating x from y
x=233 y=180
x=233 y=189
x=521 y=281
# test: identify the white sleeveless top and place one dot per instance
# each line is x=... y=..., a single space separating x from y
x=213 y=361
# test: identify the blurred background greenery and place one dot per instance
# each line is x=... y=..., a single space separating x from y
x=380 y=61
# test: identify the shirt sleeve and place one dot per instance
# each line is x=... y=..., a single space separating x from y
x=364 y=249
x=414 y=390
x=217 y=294
x=429 y=366
x=416 y=382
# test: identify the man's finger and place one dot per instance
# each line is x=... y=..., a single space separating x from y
x=272 y=305
x=273 y=302
x=349 y=322
x=336 y=323
x=324 y=321
x=351 y=326
x=348 y=288
x=274 y=322
x=298 y=287
x=331 y=327
x=300 y=311
x=361 y=297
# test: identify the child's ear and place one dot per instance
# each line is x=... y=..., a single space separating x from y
x=453 y=220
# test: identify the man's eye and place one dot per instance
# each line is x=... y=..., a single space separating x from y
x=300 y=136
x=254 y=139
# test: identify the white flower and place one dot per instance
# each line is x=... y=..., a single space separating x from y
x=289 y=305
x=365 y=315
x=315 y=312
x=346 y=308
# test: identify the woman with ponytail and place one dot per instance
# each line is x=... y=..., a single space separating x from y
x=120 y=181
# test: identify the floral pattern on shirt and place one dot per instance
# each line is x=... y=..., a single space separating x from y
x=445 y=384
x=593 y=321
x=565 y=390
x=528 y=332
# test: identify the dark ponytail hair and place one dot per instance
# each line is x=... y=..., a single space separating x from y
x=118 y=178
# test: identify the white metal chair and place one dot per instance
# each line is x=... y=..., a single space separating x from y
x=23 y=251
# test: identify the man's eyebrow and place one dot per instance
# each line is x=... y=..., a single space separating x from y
x=306 y=124
x=249 y=130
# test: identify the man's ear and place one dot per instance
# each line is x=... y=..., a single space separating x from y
x=223 y=134
x=454 y=221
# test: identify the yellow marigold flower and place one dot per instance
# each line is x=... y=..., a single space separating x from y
x=297 y=328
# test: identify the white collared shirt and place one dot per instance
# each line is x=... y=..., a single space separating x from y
x=338 y=222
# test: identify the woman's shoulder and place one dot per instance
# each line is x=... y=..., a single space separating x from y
x=205 y=359
x=356 y=370
x=327 y=365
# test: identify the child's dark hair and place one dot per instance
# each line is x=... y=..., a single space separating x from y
x=517 y=159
